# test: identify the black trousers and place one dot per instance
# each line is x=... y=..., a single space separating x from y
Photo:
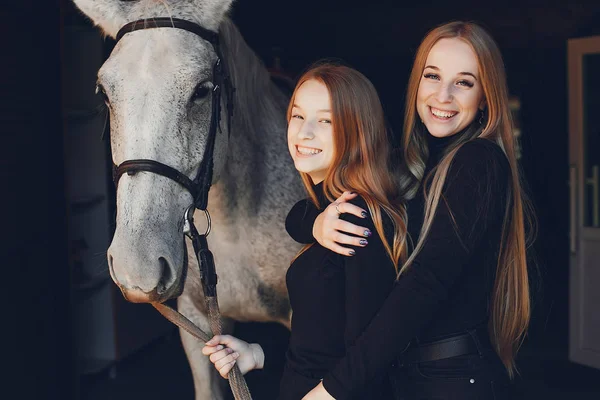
x=479 y=376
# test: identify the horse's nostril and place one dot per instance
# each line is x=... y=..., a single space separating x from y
x=165 y=275
x=110 y=266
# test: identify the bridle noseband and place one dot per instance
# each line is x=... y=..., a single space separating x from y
x=200 y=186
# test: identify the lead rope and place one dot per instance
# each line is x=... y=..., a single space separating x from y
x=237 y=383
x=208 y=277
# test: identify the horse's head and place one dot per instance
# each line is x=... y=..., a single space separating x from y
x=158 y=86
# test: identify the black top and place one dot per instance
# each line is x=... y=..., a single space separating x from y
x=333 y=299
x=448 y=287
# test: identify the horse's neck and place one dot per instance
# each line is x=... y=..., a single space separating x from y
x=258 y=162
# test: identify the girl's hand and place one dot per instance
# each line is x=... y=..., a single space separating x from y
x=328 y=227
x=225 y=351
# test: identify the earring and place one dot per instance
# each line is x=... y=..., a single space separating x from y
x=481 y=117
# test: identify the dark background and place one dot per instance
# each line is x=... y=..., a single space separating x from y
x=377 y=37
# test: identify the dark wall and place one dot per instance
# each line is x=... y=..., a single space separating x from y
x=35 y=266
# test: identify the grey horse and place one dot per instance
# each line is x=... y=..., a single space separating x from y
x=149 y=82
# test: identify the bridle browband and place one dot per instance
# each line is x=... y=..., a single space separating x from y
x=200 y=185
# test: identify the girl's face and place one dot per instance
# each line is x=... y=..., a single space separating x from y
x=310 y=130
x=450 y=92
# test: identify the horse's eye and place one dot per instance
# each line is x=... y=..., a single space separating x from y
x=100 y=90
x=202 y=90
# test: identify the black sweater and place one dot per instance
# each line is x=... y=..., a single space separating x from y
x=448 y=287
x=333 y=299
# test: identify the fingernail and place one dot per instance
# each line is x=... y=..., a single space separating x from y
x=364 y=214
x=229 y=350
x=236 y=355
x=352 y=252
x=363 y=242
x=219 y=347
x=367 y=233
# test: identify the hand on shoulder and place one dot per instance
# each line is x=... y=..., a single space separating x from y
x=330 y=230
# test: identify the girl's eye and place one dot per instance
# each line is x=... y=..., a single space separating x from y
x=431 y=76
x=465 y=83
x=297 y=116
x=325 y=121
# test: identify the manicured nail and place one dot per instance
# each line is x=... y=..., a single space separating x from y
x=352 y=252
x=235 y=355
x=364 y=214
x=363 y=242
x=219 y=347
x=367 y=233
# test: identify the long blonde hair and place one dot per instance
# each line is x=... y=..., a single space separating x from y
x=361 y=161
x=511 y=308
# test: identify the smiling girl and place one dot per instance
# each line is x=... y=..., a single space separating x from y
x=338 y=141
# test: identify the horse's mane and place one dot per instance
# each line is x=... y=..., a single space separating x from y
x=257 y=99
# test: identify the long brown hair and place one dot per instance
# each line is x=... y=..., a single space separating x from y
x=510 y=309
x=361 y=161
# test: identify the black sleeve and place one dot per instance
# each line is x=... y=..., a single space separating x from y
x=477 y=181
x=369 y=275
x=300 y=220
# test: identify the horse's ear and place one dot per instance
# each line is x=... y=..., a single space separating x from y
x=109 y=15
x=212 y=12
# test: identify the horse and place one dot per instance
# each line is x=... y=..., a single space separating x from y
x=157 y=85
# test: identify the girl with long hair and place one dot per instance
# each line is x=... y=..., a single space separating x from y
x=338 y=141
x=460 y=308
